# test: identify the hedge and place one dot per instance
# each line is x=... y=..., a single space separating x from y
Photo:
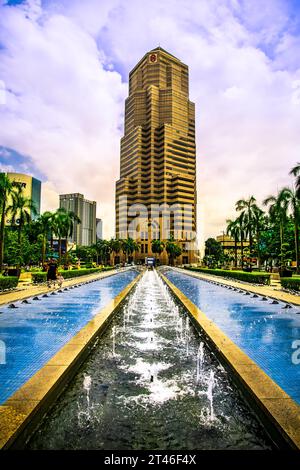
x=290 y=283
x=8 y=282
x=67 y=274
x=254 y=278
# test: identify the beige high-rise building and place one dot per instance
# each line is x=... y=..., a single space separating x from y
x=158 y=156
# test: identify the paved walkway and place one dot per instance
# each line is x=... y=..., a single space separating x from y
x=29 y=290
x=267 y=291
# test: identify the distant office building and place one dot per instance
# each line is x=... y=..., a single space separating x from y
x=99 y=229
x=31 y=188
x=84 y=234
x=230 y=246
x=228 y=242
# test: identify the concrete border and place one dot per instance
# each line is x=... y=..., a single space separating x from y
x=278 y=412
x=22 y=412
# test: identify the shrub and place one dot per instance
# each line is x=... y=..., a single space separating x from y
x=254 y=278
x=39 y=277
x=290 y=283
x=8 y=282
x=67 y=274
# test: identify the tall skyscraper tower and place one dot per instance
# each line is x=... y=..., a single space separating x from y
x=158 y=155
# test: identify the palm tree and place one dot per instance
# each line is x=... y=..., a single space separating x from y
x=291 y=201
x=63 y=225
x=259 y=222
x=96 y=250
x=157 y=247
x=278 y=206
x=103 y=249
x=115 y=246
x=45 y=224
x=248 y=207
x=129 y=246
x=233 y=230
x=173 y=250
x=241 y=223
x=5 y=190
x=21 y=210
x=296 y=172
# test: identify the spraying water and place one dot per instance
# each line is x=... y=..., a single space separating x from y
x=113 y=335
x=180 y=329
x=84 y=413
x=187 y=334
x=200 y=360
x=210 y=388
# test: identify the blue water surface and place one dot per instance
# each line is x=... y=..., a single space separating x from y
x=267 y=333
x=33 y=333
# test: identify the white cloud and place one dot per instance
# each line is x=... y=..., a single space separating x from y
x=65 y=96
x=63 y=109
x=49 y=197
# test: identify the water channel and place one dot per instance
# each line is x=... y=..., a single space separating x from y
x=151 y=382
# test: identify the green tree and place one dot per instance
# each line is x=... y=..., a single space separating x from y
x=258 y=223
x=5 y=190
x=269 y=243
x=30 y=253
x=241 y=223
x=129 y=246
x=95 y=251
x=45 y=225
x=295 y=171
x=278 y=206
x=85 y=253
x=63 y=225
x=233 y=230
x=103 y=249
x=290 y=201
x=115 y=246
x=173 y=249
x=248 y=207
x=12 y=253
x=21 y=210
x=157 y=247
x=213 y=252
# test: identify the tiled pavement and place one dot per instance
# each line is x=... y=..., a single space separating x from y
x=29 y=290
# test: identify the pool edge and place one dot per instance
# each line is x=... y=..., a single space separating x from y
x=278 y=409
x=22 y=411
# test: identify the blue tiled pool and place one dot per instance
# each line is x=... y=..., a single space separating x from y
x=33 y=333
x=263 y=330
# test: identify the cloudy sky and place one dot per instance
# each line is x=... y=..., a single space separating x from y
x=64 y=68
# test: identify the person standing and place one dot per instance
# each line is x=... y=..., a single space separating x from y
x=51 y=273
